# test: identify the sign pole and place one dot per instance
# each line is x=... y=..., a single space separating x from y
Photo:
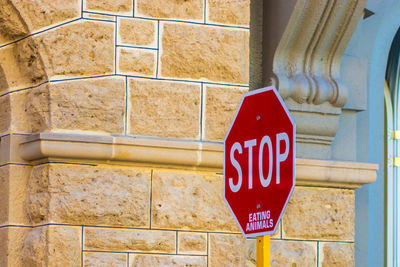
x=263 y=251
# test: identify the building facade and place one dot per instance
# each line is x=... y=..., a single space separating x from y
x=113 y=115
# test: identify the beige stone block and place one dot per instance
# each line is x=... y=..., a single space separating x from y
x=31 y=67
x=50 y=245
x=94 y=259
x=12 y=26
x=251 y=254
x=137 y=32
x=83 y=105
x=320 y=213
x=81 y=48
x=45 y=13
x=171 y=9
x=124 y=240
x=3 y=79
x=9 y=70
x=53 y=245
x=227 y=244
x=293 y=253
x=4 y=179
x=139 y=62
x=221 y=103
x=3 y=244
x=189 y=201
x=5 y=151
x=86 y=105
x=192 y=243
x=31 y=110
x=5 y=114
x=227 y=250
x=119 y=7
x=89 y=195
x=336 y=254
x=17 y=190
x=13 y=187
x=202 y=52
x=143 y=260
x=21 y=65
x=164 y=109
x=35 y=245
x=11 y=245
x=230 y=12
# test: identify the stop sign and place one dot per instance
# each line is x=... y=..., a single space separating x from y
x=259 y=162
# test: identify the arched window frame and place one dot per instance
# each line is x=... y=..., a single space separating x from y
x=392 y=175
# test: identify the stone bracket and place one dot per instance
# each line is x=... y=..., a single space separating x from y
x=45 y=147
x=306 y=68
x=307 y=59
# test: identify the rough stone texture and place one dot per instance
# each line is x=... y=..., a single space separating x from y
x=140 y=62
x=293 y=253
x=103 y=239
x=4 y=179
x=227 y=250
x=220 y=109
x=13 y=187
x=89 y=195
x=320 y=213
x=203 y=52
x=86 y=105
x=34 y=248
x=12 y=27
x=11 y=244
x=10 y=76
x=119 y=7
x=13 y=181
x=41 y=14
x=64 y=55
x=138 y=260
x=251 y=254
x=94 y=259
x=5 y=114
x=172 y=9
x=158 y=105
x=232 y=12
x=189 y=201
x=137 y=32
x=192 y=243
x=83 y=105
x=3 y=80
x=31 y=110
x=3 y=245
x=21 y=65
x=336 y=254
x=53 y=245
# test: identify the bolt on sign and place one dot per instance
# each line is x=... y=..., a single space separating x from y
x=259 y=162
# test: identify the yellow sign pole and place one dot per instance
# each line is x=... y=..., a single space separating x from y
x=263 y=251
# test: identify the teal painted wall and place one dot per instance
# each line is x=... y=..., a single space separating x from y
x=371 y=42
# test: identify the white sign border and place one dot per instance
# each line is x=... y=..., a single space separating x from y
x=254 y=92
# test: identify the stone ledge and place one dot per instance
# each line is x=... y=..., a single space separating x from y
x=181 y=154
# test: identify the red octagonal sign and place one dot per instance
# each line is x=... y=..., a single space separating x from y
x=259 y=162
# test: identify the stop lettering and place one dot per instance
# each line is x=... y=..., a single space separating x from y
x=264 y=143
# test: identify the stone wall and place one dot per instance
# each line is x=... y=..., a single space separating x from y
x=153 y=217
x=158 y=69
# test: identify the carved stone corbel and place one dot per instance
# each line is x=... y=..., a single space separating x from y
x=306 y=67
